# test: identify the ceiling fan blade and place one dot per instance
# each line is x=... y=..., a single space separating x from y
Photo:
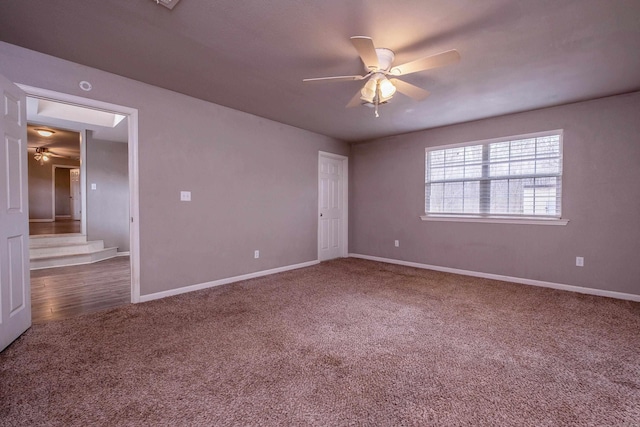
x=366 y=50
x=434 y=61
x=334 y=79
x=47 y=152
x=410 y=90
x=355 y=101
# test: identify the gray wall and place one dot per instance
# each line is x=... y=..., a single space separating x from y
x=253 y=181
x=41 y=186
x=63 y=191
x=108 y=204
x=601 y=198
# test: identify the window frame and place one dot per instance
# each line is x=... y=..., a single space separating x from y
x=496 y=217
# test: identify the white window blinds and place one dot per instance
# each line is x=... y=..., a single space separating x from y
x=519 y=176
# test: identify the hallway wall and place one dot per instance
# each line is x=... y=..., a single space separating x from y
x=253 y=181
x=108 y=204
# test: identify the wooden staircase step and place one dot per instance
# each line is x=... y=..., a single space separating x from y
x=59 y=250
x=49 y=261
x=56 y=240
x=66 y=249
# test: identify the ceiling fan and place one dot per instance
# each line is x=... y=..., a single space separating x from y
x=43 y=154
x=378 y=65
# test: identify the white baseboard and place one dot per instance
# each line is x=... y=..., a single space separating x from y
x=63 y=216
x=122 y=253
x=570 y=288
x=200 y=286
x=41 y=220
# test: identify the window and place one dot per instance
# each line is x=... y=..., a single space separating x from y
x=517 y=177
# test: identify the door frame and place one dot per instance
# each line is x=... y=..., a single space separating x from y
x=344 y=238
x=134 y=206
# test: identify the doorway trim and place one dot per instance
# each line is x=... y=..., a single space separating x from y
x=134 y=206
x=344 y=238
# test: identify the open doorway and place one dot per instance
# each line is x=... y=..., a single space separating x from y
x=101 y=192
x=66 y=182
x=55 y=196
x=67 y=199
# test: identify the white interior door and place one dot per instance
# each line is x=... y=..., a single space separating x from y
x=76 y=202
x=15 y=296
x=332 y=206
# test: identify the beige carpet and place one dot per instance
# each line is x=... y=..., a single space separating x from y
x=347 y=342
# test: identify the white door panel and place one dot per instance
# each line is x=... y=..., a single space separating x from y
x=15 y=297
x=332 y=206
x=76 y=202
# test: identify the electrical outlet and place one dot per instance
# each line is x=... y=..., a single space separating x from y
x=256 y=254
x=185 y=196
x=579 y=261
x=397 y=243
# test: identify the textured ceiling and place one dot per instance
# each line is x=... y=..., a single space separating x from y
x=252 y=55
x=63 y=142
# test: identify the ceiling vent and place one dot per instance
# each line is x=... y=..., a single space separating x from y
x=169 y=4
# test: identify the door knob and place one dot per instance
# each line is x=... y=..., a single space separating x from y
x=320 y=214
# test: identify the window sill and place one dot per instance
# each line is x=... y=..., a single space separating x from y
x=495 y=220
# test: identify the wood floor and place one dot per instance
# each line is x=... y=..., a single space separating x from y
x=59 y=293
x=59 y=226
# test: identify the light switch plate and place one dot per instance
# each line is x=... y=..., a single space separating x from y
x=94 y=186
x=185 y=196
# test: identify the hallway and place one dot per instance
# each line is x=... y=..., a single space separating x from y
x=59 y=226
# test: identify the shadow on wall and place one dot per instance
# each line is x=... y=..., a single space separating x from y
x=108 y=192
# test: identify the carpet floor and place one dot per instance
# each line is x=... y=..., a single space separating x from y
x=346 y=342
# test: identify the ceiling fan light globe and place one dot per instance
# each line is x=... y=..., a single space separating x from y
x=387 y=89
x=368 y=100
x=368 y=91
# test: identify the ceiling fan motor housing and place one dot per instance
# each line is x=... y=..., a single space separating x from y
x=385 y=59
